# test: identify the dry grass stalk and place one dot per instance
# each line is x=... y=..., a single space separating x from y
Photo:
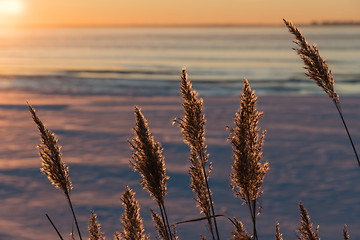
x=193 y=128
x=319 y=72
x=306 y=229
x=345 y=233
x=95 y=228
x=278 y=235
x=248 y=172
x=55 y=228
x=239 y=232
x=52 y=165
x=132 y=223
x=147 y=159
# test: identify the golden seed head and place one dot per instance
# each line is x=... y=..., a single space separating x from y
x=239 y=232
x=95 y=228
x=306 y=229
x=147 y=158
x=192 y=126
x=132 y=222
x=317 y=67
x=52 y=165
x=248 y=172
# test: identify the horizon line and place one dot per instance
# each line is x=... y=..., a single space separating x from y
x=313 y=23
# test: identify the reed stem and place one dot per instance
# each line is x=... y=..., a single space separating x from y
x=337 y=104
x=252 y=208
x=209 y=193
x=73 y=213
x=165 y=220
x=53 y=225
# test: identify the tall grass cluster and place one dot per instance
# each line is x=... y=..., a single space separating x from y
x=248 y=168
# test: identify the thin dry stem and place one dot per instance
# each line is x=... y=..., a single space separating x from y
x=53 y=225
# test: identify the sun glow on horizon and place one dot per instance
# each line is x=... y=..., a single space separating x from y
x=11 y=7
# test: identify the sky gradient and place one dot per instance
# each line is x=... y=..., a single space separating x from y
x=167 y=12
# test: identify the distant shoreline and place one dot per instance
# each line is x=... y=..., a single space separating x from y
x=211 y=25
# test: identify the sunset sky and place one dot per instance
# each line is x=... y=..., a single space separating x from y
x=170 y=12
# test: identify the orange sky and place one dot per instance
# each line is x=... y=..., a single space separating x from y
x=170 y=12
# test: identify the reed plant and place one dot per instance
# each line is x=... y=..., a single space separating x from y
x=247 y=174
x=318 y=70
x=147 y=159
x=192 y=126
x=52 y=165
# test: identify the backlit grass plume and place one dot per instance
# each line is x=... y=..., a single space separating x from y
x=318 y=71
x=52 y=165
x=147 y=158
x=278 y=235
x=193 y=128
x=316 y=66
x=95 y=228
x=239 y=233
x=247 y=171
x=132 y=223
x=345 y=233
x=306 y=229
x=149 y=162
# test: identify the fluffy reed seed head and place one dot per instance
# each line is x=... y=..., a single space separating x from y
x=192 y=126
x=247 y=171
x=278 y=235
x=95 y=228
x=132 y=223
x=316 y=66
x=198 y=184
x=52 y=165
x=147 y=158
x=117 y=236
x=159 y=225
x=345 y=233
x=239 y=232
x=306 y=229
x=193 y=123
